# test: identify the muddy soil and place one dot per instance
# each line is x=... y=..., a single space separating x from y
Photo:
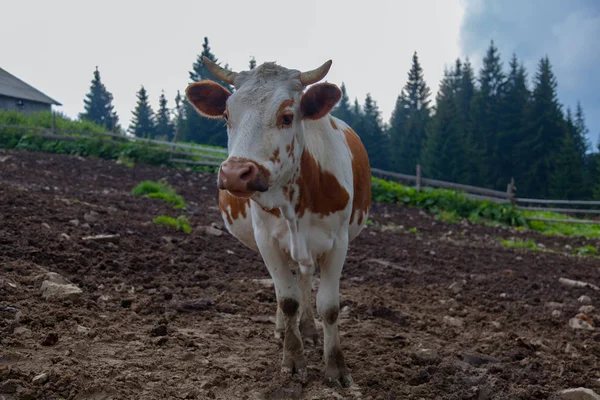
x=443 y=311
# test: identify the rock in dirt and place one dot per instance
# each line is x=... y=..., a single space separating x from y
x=210 y=230
x=55 y=291
x=585 y=300
x=581 y=321
x=587 y=309
x=457 y=287
x=577 y=284
x=579 y=393
x=103 y=238
x=452 y=321
x=556 y=313
x=91 y=217
x=22 y=332
x=40 y=379
x=194 y=305
x=267 y=283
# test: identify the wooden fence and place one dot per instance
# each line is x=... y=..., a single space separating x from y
x=209 y=156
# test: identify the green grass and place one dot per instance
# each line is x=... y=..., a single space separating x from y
x=587 y=251
x=180 y=223
x=159 y=190
x=521 y=244
x=557 y=228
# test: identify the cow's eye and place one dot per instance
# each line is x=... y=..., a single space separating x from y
x=287 y=119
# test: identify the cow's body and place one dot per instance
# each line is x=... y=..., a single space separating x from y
x=296 y=187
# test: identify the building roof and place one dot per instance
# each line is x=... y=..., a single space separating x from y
x=11 y=86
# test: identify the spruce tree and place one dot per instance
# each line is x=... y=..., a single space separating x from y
x=567 y=180
x=372 y=134
x=197 y=128
x=467 y=169
x=98 y=106
x=164 y=125
x=443 y=152
x=486 y=108
x=512 y=149
x=410 y=118
x=143 y=123
x=546 y=132
x=252 y=63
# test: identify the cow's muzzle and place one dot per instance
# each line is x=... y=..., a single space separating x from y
x=242 y=177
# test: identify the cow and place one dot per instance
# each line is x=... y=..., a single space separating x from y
x=296 y=188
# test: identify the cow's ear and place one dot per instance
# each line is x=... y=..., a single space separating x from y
x=208 y=98
x=319 y=100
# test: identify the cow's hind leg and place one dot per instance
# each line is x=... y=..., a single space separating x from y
x=288 y=300
x=328 y=308
x=308 y=328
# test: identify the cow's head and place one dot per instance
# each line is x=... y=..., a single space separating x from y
x=265 y=118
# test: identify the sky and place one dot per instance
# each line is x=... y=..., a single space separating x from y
x=148 y=43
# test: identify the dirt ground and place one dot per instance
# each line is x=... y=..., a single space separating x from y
x=167 y=315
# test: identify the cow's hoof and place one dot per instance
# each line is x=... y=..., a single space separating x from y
x=345 y=381
x=300 y=373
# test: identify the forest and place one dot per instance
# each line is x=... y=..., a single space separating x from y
x=482 y=128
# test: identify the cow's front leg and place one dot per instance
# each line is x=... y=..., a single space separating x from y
x=328 y=307
x=308 y=328
x=288 y=300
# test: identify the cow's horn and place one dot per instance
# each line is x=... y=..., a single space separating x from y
x=220 y=72
x=315 y=75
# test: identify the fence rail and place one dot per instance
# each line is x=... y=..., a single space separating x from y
x=213 y=156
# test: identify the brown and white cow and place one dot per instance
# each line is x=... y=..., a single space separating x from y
x=296 y=187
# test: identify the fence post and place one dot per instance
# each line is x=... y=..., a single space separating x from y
x=511 y=191
x=418 y=177
x=54 y=122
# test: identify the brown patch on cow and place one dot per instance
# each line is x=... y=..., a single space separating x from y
x=275 y=157
x=331 y=315
x=232 y=206
x=361 y=171
x=289 y=306
x=289 y=148
x=281 y=112
x=319 y=99
x=208 y=98
x=274 y=211
x=333 y=125
x=320 y=191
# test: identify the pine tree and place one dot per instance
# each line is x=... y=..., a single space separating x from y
x=143 y=123
x=372 y=134
x=443 y=152
x=486 y=106
x=567 y=180
x=252 y=63
x=164 y=126
x=467 y=169
x=546 y=132
x=512 y=149
x=98 y=106
x=410 y=118
x=197 y=128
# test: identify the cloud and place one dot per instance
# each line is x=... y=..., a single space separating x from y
x=568 y=32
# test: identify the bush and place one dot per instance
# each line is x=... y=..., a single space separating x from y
x=181 y=223
x=159 y=190
x=446 y=203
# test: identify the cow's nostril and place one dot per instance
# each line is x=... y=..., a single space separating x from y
x=246 y=175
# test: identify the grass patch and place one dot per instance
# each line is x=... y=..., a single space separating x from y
x=159 y=190
x=557 y=228
x=589 y=251
x=180 y=223
x=521 y=244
